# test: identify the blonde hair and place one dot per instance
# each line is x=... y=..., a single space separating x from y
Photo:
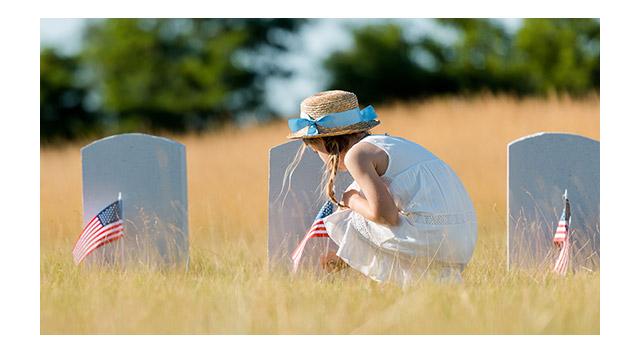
x=334 y=145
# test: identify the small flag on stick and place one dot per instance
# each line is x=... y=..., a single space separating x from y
x=561 y=238
x=317 y=230
x=106 y=227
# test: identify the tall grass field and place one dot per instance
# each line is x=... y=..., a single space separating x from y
x=229 y=288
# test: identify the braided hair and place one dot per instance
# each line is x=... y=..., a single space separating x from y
x=334 y=145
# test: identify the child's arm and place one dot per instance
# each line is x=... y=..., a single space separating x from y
x=362 y=161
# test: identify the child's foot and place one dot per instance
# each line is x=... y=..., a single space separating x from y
x=331 y=263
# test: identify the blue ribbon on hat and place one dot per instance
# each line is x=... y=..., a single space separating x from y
x=333 y=120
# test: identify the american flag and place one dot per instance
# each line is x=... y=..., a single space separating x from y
x=317 y=230
x=105 y=227
x=561 y=239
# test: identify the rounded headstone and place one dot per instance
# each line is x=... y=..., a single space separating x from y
x=540 y=168
x=150 y=174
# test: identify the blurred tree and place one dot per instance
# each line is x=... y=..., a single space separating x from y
x=560 y=54
x=482 y=58
x=179 y=74
x=543 y=55
x=62 y=99
x=382 y=66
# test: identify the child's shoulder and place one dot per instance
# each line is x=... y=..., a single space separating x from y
x=365 y=148
x=386 y=141
x=365 y=152
x=398 y=146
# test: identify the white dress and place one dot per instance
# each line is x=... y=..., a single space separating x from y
x=437 y=229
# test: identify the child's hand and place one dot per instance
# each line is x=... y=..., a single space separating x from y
x=331 y=263
x=348 y=195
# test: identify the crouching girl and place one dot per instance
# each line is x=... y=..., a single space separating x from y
x=406 y=214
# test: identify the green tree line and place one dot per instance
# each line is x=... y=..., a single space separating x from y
x=543 y=56
x=193 y=74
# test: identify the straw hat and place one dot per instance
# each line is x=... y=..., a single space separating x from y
x=331 y=113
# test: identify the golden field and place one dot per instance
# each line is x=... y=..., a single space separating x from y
x=228 y=288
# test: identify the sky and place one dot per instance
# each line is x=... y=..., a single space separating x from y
x=317 y=39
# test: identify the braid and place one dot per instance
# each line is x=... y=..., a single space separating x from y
x=333 y=148
x=334 y=145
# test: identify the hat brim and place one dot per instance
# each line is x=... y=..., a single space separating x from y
x=325 y=132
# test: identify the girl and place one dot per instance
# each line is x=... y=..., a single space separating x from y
x=405 y=214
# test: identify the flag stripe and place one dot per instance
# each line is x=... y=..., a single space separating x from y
x=106 y=239
x=98 y=242
x=317 y=230
x=99 y=235
x=95 y=225
x=82 y=247
x=89 y=226
x=297 y=253
x=103 y=228
x=83 y=239
x=561 y=239
x=302 y=244
x=317 y=224
x=562 y=262
x=79 y=257
x=110 y=238
x=88 y=229
x=94 y=228
x=319 y=235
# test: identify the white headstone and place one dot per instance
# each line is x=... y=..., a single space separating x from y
x=293 y=208
x=540 y=168
x=150 y=173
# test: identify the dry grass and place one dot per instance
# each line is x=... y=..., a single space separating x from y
x=229 y=290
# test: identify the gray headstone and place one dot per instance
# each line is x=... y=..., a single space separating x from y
x=292 y=208
x=150 y=172
x=540 y=168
